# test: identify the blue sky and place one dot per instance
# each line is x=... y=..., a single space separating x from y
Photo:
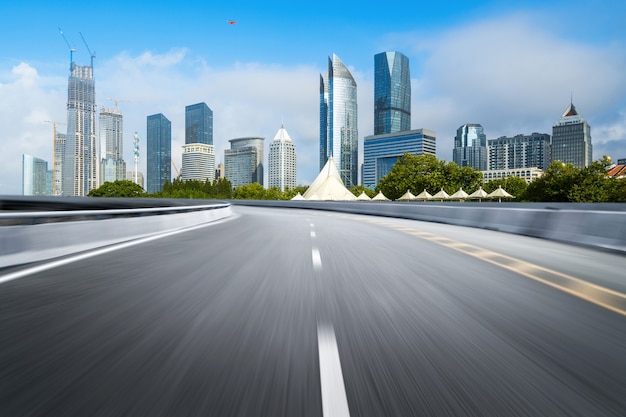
x=509 y=65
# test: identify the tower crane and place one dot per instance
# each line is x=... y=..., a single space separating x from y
x=92 y=54
x=54 y=149
x=72 y=49
x=178 y=174
x=117 y=100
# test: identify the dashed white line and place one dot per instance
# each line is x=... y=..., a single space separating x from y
x=313 y=233
x=316 y=258
x=334 y=400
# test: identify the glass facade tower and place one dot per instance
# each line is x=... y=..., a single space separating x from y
x=339 y=121
x=571 y=139
x=470 y=147
x=159 y=152
x=111 y=128
x=198 y=124
x=243 y=162
x=80 y=163
x=34 y=176
x=392 y=93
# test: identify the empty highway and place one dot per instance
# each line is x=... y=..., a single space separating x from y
x=284 y=312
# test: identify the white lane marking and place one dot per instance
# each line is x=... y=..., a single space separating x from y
x=312 y=225
x=70 y=259
x=334 y=400
x=317 y=259
x=313 y=234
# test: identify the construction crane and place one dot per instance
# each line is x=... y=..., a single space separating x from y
x=117 y=100
x=92 y=54
x=54 y=148
x=72 y=49
x=178 y=174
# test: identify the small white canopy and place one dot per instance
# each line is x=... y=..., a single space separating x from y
x=424 y=195
x=380 y=197
x=363 y=197
x=408 y=196
x=500 y=193
x=298 y=197
x=441 y=195
x=459 y=195
x=479 y=194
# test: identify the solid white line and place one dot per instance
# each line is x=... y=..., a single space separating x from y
x=317 y=259
x=70 y=259
x=334 y=400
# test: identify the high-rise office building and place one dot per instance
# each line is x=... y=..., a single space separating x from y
x=392 y=93
x=158 y=152
x=571 y=139
x=34 y=176
x=282 y=161
x=80 y=163
x=243 y=162
x=198 y=162
x=381 y=152
x=470 y=147
x=520 y=151
x=59 y=155
x=198 y=124
x=339 y=121
x=111 y=128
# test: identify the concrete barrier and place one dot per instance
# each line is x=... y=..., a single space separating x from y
x=594 y=225
x=59 y=233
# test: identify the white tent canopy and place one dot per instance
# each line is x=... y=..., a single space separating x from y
x=408 y=196
x=500 y=193
x=328 y=185
x=363 y=197
x=479 y=194
x=441 y=195
x=459 y=195
x=424 y=195
x=380 y=197
x=298 y=197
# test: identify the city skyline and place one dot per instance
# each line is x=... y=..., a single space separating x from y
x=525 y=66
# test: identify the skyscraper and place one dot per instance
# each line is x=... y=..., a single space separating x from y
x=34 y=176
x=282 y=161
x=198 y=124
x=571 y=139
x=198 y=162
x=520 y=151
x=243 y=162
x=381 y=152
x=470 y=147
x=57 y=175
x=80 y=163
x=159 y=152
x=392 y=93
x=112 y=165
x=338 y=120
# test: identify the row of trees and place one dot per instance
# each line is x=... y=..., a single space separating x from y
x=560 y=183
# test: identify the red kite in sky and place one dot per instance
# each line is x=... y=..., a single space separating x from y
x=231 y=22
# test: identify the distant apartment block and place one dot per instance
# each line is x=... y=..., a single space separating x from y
x=527 y=174
x=520 y=151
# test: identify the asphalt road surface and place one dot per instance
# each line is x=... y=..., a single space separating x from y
x=281 y=312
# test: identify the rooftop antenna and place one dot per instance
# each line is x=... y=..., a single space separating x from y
x=93 y=54
x=72 y=49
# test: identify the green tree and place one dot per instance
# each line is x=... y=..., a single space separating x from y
x=594 y=185
x=555 y=184
x=358 y=189
x=254 y=191
x=417 y=173
x=119 y=188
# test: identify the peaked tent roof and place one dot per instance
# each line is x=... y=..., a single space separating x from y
x=282 y=135
x=328 y=185
x=424 y=195
x=500 y=193
x=441 y=195
x=363 y=197
x=298 y=197
x=408 y=196
x=571 y=111
x=479 y=194
x=380 y=197
x=459 y=195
